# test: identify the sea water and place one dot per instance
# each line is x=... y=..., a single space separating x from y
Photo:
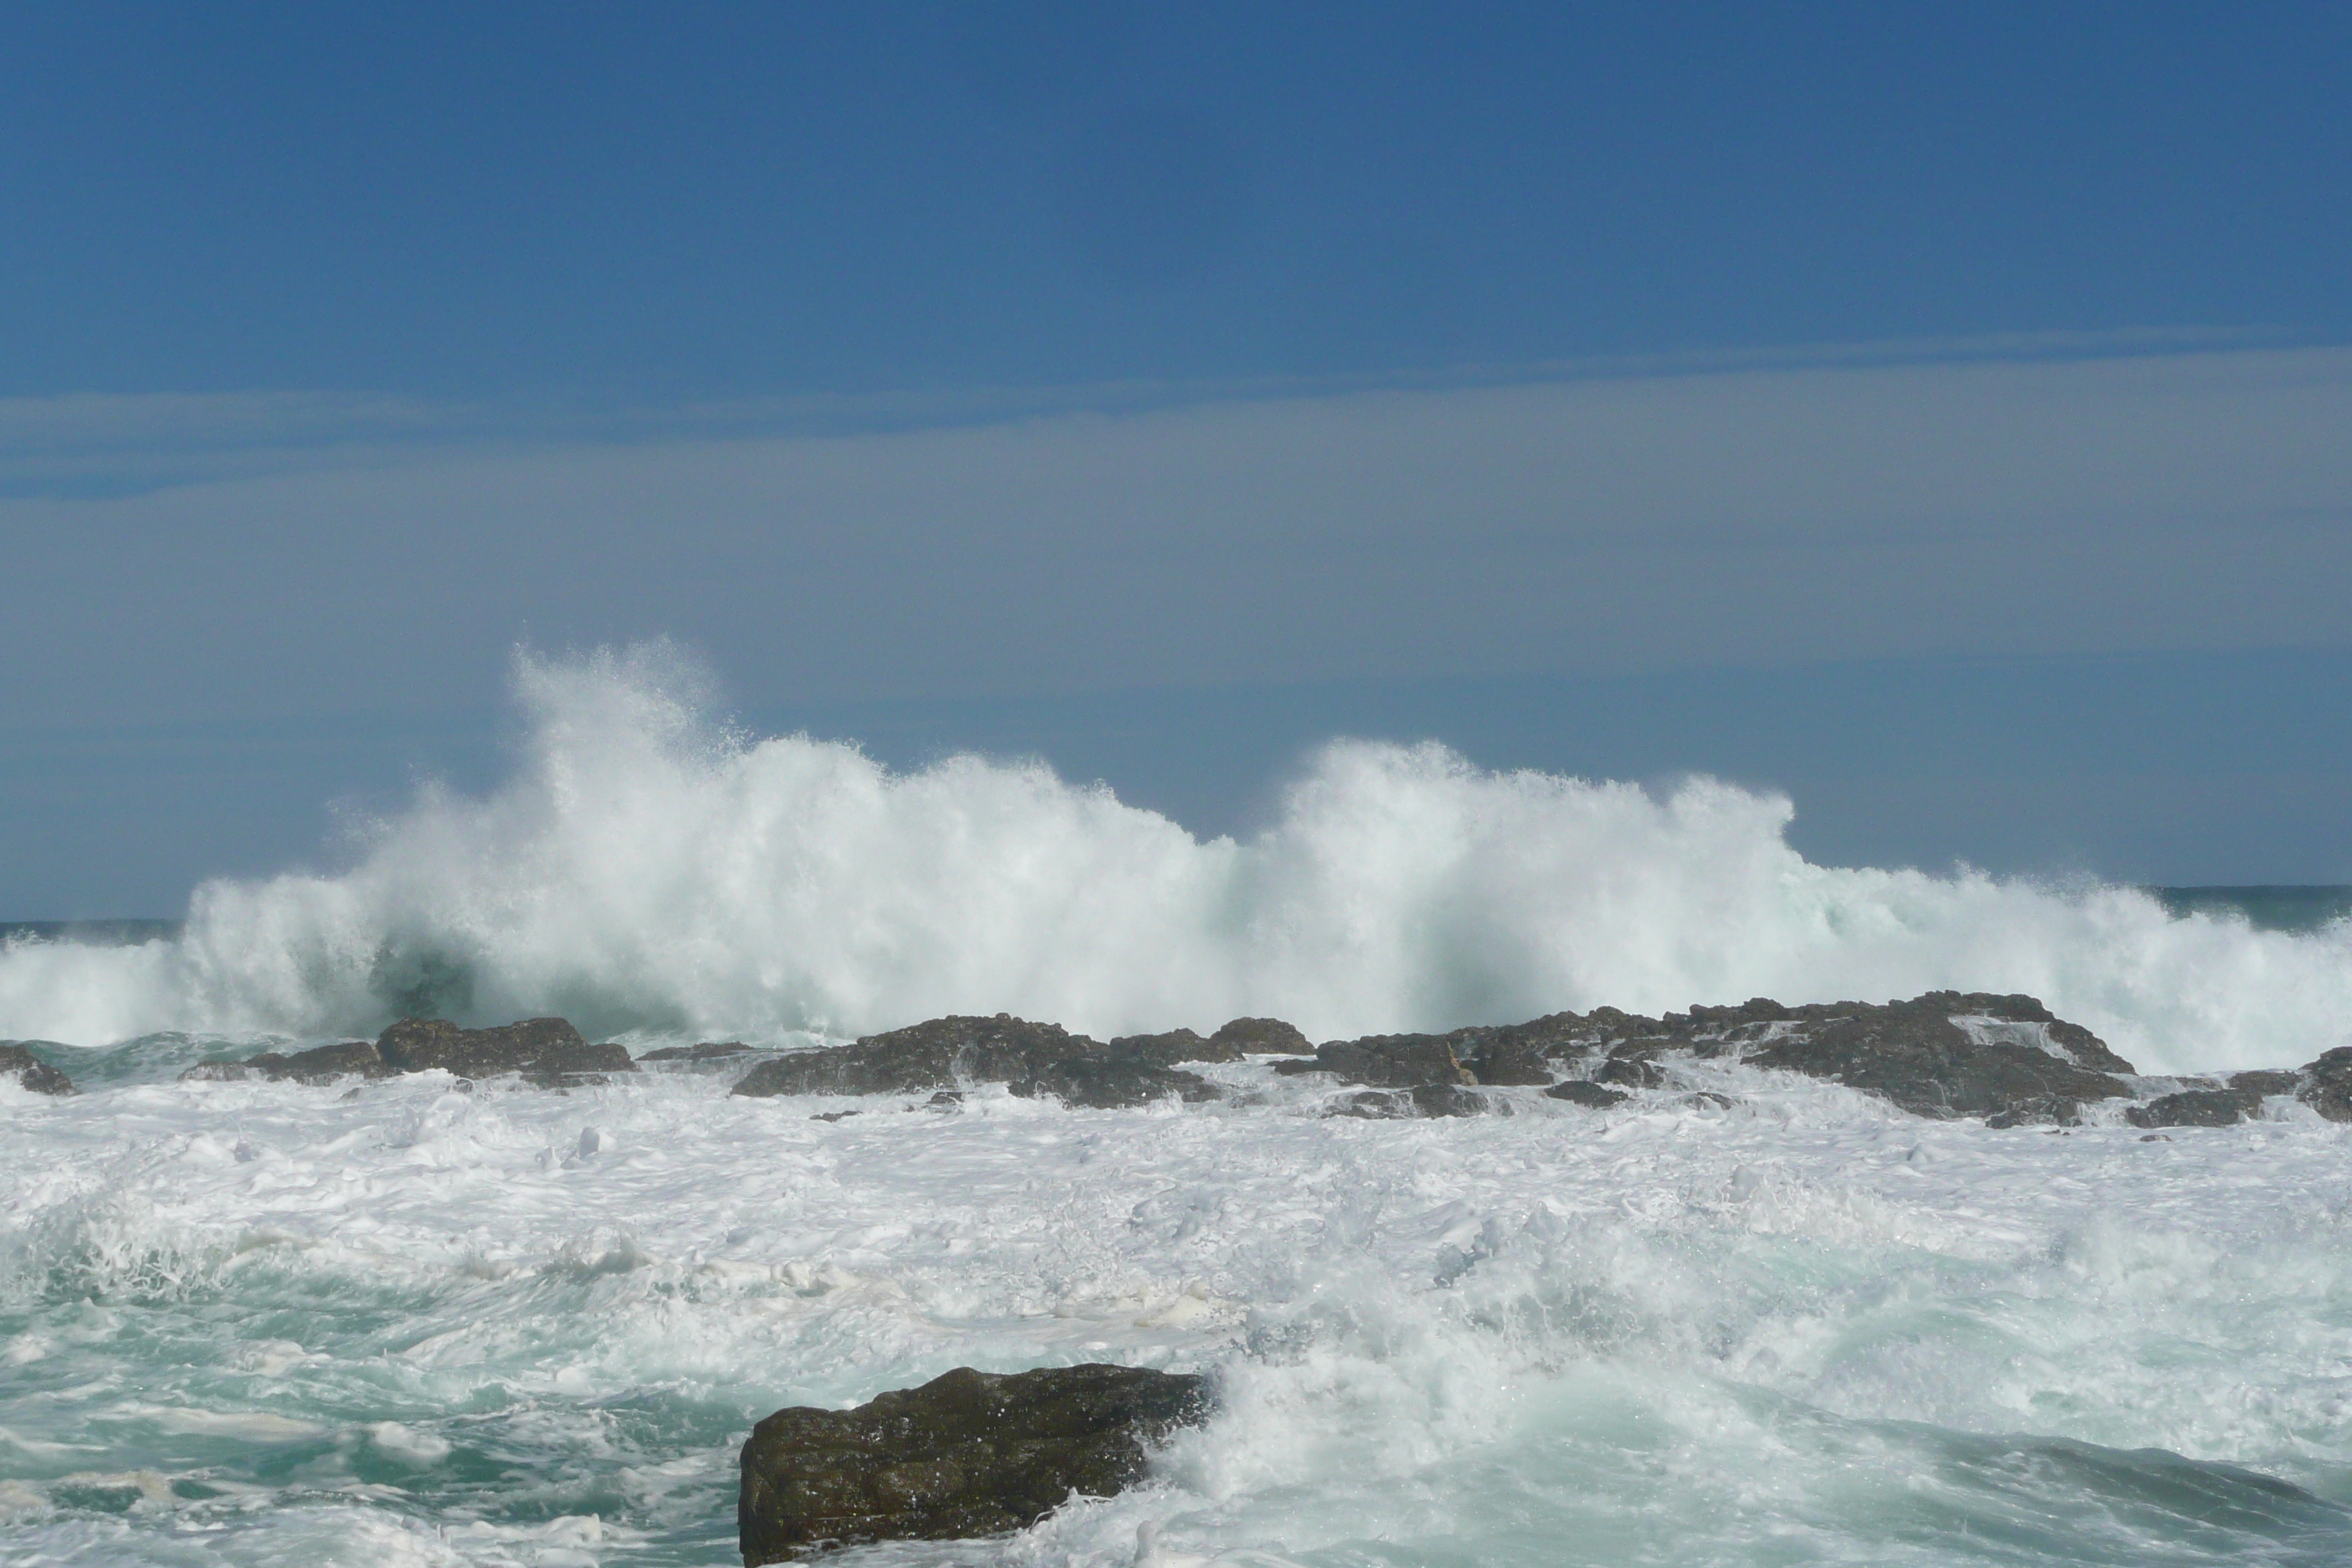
x=419 y=1321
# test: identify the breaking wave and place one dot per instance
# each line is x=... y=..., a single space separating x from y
x=647 y=868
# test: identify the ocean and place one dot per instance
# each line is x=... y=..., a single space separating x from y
x=413 y=1321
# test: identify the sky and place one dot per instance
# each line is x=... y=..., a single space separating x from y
x=1941 y=414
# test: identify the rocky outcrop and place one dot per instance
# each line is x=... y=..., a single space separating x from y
x=1031 y=1059
x=1592 y=1096
x=1262 y=1036
x=17 y=1061
x=1947 y=1055
x=967 y=1454
x=321 y=1064
x=546 y=1051
x=2325 y=1085
x=1175 y=1045
x=1385 y=1061
x=1943 y=1054
x=709 y=1051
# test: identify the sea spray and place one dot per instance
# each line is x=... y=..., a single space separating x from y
x=647 y=868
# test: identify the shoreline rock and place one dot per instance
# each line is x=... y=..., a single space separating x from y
x=967 y=1454
x=546 y=1052
x=1031 y=1059
x=18 y=1060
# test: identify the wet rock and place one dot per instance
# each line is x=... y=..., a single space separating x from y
x=1384 y=1061
x=1031 y=1059
x=546 y=1051
x=940 y=1053
x=17 y=1061
x=1577 y=1091
x=1951 y=1054
x=319 y=1065
x=1632 y=1069
x=2325 y=1085
x=1427 y=1100
x=2196 y=1108
x=1174 y=1047
x=1110 y=1083
x=1519 y=1053
x=1263 y=1037
x=968 y=1454
x=709 y=1051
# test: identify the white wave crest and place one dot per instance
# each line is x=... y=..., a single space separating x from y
x=647 y=868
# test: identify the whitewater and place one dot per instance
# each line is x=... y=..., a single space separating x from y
x=419 y=1321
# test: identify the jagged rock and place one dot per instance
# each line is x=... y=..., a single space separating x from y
x=319 y=1064
x=2325 y=1085
x=1518 y=1053
x=968 y=1454
x=709 y=1051
x=1577 y=1091
x=544 y=1050
x=1916 y=1055
x=1263 y=1037
x=1111 y=1083
x=1632 y=1069
x=1427 y=1100
x=1384 y=1061
x=937 y=1054
x=2196 y=1108
x=1029 y=1059
x=18 y=1061
x=1176 y=1045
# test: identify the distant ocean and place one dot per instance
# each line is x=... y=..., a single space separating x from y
x=419 y=1322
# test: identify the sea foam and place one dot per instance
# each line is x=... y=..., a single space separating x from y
x=647 y=868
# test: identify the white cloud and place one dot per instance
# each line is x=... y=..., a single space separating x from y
x=1751 y=515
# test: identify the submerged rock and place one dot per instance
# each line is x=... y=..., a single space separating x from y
x=1428 y=1100
x=1029 y=1059
x=967 y=1454
x=17 y=1061
x=1578 y=1092
x=321 y=1064
x=544 y=1050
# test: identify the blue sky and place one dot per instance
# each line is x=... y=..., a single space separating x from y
x=1566 y=382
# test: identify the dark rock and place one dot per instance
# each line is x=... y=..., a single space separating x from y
x=2325 y=1085
x=319 y=1065
x=1102 y=1083
x=1913 y=1054
x=2196 y=1108
x=1576 y=1091
x=544 y=1050
x=1373 y=1105
x=1427 y=1100
x=1518 y=1053
x=968 y=1454
x=1263 y=1037
x=833 y=1115
x=1174 y=1047
x=709 y=1051
x=1633 y=1070
x=2035 y=1111
x=18 y=1061
x=1384 y=1061
x=2265 y=1084
x=940 y=1053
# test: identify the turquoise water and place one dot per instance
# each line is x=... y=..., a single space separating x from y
x=401 y=1324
